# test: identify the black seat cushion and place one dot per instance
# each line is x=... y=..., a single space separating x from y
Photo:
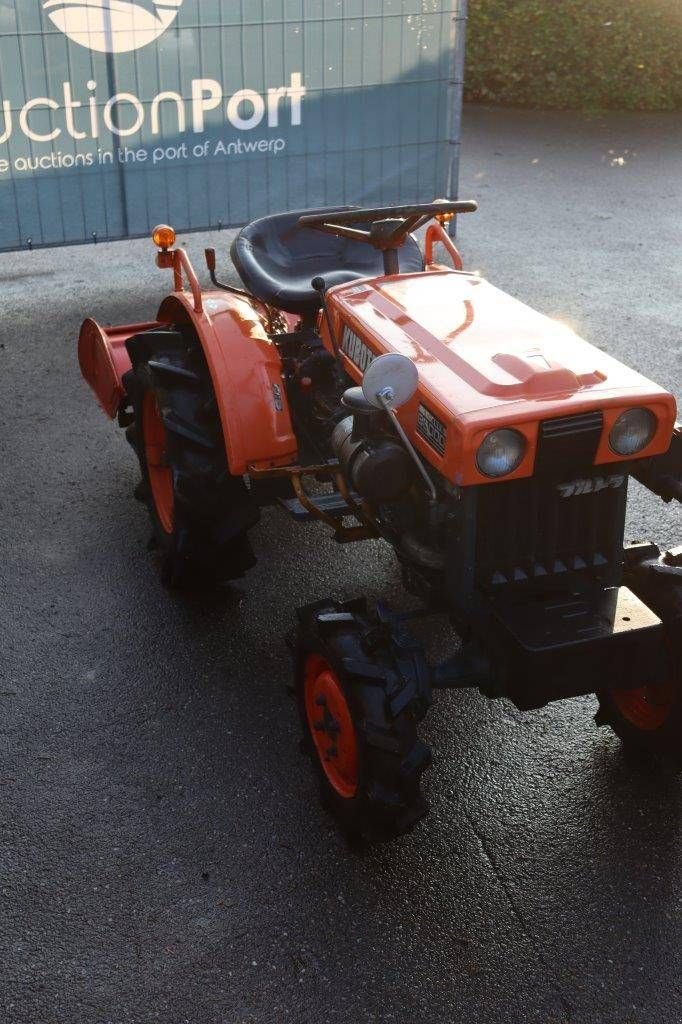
x=276 y=259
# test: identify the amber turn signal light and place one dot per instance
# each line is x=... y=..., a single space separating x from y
x=163 y=237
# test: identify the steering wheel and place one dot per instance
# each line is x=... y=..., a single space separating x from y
x=389 y=225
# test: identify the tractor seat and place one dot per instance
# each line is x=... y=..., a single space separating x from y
x=276 y=259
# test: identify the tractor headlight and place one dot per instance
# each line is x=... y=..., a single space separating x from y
x=501 y=452
x=632 y=431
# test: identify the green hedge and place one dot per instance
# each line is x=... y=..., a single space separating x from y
x=581 y=54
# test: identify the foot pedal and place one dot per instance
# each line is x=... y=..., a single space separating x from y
x=330 y=504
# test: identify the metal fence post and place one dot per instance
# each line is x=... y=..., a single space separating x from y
x=455 y=101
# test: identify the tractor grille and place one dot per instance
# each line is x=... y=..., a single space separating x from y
x=526 y=530
x=568 y=445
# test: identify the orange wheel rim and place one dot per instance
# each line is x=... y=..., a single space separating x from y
x=331 y=726
x=647 y=707
x=160 y=475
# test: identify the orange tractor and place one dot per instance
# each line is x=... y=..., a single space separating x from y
x=358 y=382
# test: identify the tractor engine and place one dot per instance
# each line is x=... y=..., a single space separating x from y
x=373 y=461
x=379 y=467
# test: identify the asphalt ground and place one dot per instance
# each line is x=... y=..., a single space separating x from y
x=163 y=854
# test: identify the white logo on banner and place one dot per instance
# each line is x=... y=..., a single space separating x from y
x=112 y=26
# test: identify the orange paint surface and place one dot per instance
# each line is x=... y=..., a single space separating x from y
x=244 y=364
x=246 y=371
x=104 y=360
x=485 y=361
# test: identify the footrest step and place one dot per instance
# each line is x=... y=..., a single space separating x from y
x=331 y=504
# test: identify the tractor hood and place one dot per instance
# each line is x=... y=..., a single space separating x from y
x=484 y=358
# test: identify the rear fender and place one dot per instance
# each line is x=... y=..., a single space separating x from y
x=246 y=371
x=244 y=364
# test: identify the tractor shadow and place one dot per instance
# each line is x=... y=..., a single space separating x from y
x=539 y=825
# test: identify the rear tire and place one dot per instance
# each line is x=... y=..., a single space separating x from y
x=200 y=513
x=360 y=696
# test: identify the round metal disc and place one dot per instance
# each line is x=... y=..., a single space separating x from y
x=393 y=375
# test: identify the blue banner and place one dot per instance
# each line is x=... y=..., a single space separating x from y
x=117 y=115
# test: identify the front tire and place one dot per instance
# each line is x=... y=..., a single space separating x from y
x=648 y=719
x=360 y=696
x=200 y=513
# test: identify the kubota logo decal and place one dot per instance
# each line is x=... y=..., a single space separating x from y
x=112 y=26
x=356 y=350
x=590 y=486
